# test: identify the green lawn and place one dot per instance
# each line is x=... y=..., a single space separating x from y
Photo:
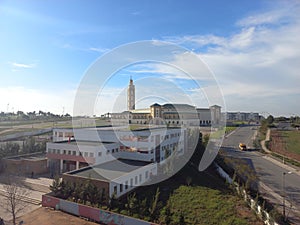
x=205 y=201
x=202 y=205
x=292 y=140
x=225 y=130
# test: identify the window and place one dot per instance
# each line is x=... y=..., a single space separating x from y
x=131 y=182
x=107 y=152
x=140 y=178
x=91 y=154
x=99 y=154
x=113 y=150
x=69 y=152
x=86 y=154
x=74 y=152
x=117 y=149
x=58 y=151
x=80 y=153
x=146 y=174
x=121 y=187
x=115 y=189
x=135 y=180
x=126 y=185
x=65 y=152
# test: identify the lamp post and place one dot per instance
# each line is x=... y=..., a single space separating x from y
x=284 y=193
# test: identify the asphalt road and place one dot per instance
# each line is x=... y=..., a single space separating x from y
x=269 y=171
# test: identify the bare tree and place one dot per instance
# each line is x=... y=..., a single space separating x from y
x=16 y=197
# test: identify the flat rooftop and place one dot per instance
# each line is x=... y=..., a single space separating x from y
x=31 y=157
x=110 y=170
x=89 y=143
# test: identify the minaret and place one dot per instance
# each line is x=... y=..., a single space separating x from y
x=131 y=95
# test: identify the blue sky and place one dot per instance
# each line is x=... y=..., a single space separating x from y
x=252 y=47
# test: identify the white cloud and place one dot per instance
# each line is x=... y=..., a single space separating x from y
x=259 y=62
x=16 y=65
x=100 y=50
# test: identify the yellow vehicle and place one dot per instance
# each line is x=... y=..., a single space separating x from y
x=242 y=147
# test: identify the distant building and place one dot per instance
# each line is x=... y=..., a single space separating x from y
x=29 y=164
x=167 y=114
x=242 y=116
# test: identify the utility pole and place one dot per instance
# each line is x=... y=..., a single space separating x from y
x=284 y=194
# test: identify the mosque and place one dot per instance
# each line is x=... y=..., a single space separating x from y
x=169 y=114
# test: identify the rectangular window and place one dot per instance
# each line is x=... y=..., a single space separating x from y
x=121 y=187
x=99 y=154
x=115 y=189
x=107 y=152
x=80 y=153
x=135 y=180
x=117 y=149
x=140 y=178
x=91 y=154
x=131 y=182
x=65 y=152
x=74 y=152
x=126 y=184
x=69 y=152
x=58 y=151
x=113 y=150
x=86 y=154
x=146 y=174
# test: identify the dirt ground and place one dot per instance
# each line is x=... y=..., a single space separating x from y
x=46 y=216
x=278 y=145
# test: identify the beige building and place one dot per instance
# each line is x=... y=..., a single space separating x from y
x=166 y=114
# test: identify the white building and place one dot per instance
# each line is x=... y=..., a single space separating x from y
x=99 y=145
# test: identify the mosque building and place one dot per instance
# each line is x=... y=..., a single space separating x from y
x=166 y=114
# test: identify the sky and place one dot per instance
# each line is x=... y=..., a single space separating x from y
x=250 y=47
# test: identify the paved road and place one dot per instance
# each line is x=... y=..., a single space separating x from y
x=269 y=171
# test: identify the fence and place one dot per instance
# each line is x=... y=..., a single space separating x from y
x=258 y=209
x=94 y=214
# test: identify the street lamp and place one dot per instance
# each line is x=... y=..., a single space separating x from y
x=284 y=193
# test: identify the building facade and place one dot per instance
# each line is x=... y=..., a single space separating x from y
x=242 y=116
x=166 y=114
x=100 y=145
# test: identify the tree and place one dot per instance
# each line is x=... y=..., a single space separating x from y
x=270 y=119
x=15 y=196
x=153 y=210
x=131 y=204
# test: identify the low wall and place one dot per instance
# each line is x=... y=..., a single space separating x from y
x=258 y=209
x=94 y=214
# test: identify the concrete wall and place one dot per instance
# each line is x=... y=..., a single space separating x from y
x=141 y=175
x=25 y=167
x=94 y=214
x=258 y=209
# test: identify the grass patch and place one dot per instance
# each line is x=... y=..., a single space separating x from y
x=202 y=205
x=217 y=134
x=292 y=140
x=287 y=160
